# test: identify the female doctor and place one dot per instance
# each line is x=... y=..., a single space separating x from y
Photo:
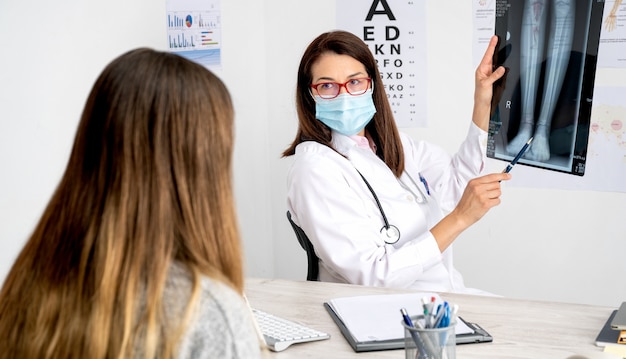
x=380 y=208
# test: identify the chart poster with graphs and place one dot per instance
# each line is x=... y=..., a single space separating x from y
x=194 y=30
x=395 y=32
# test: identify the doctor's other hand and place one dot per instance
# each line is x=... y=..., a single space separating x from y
x=486 y=75
x=480 y=195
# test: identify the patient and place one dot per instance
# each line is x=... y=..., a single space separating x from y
x=138 y=254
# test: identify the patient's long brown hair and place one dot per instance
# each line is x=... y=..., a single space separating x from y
x=148 y=183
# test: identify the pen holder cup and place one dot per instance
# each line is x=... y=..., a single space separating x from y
x=432 y=343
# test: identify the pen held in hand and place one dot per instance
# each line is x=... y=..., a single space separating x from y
x=519 y=155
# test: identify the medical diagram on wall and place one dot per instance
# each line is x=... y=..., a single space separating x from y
x=606 y=156
x=550 y=49
x=194 y=30
x=484 y=27
x=613 y=39
x=395 y=32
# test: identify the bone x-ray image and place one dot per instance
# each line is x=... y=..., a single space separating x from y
x=549 y=48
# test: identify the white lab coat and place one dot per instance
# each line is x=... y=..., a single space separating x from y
x=329 y=200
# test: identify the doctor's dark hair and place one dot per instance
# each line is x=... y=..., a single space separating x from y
x=382 y=128
x=147 y=186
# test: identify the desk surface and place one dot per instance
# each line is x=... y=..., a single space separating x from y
x=520 y=328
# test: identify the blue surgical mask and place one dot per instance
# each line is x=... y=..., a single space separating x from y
x=345 y=113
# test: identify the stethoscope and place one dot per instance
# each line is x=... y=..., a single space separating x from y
x=391 y=233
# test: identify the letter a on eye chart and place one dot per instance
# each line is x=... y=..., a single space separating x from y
x=394 y=31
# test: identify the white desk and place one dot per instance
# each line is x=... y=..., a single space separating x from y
x=520 y=328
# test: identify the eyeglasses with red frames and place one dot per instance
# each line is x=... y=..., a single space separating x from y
x=330 y=90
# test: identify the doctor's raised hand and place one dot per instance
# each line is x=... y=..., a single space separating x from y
x=486 y=76
x=380 y=207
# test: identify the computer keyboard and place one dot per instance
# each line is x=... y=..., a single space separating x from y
x=280 y=333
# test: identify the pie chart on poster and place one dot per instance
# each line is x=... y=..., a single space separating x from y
x=188 y=20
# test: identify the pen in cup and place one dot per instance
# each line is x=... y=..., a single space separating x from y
x=421 y=349
x=428 y=304
x=443 y=315
x=407 y=319
x=453 y=313
x=509 y=167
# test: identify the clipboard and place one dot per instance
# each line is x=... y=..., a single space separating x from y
x=479 y=335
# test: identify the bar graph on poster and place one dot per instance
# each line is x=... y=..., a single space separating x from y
x=194 y=30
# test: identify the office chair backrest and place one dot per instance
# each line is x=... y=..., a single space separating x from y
x=305 y=243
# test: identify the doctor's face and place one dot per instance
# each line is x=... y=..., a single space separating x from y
x=332 y=67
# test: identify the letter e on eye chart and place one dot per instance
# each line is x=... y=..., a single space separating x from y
x=394 y=31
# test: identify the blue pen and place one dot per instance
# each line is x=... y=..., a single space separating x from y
x=441 y=311
x=422 y=352
x=407 y=319
x=437 y=317
x=509 y=167
x=445 y=321
x=425 y=183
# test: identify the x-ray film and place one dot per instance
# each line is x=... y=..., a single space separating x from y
x=549 y=48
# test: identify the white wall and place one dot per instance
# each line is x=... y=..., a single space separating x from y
x=542 y=244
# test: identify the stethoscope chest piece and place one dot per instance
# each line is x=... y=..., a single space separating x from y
x=391 y=234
